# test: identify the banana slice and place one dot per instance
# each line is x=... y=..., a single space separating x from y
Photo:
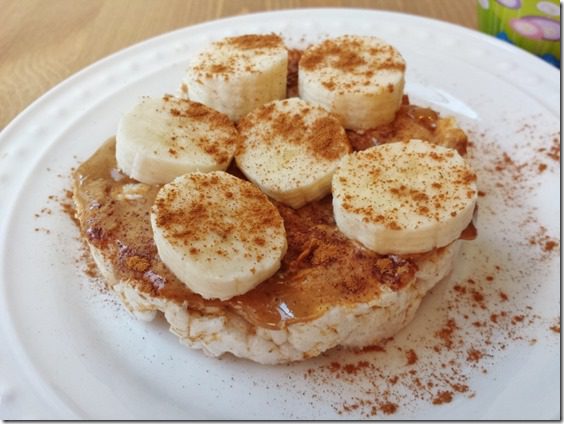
x=162 y=138
x=217 y=233
x=360 y=79
x=238 y=74
x=404 y=197
x=290 y=150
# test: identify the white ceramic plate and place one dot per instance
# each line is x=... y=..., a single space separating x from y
x=69 y=351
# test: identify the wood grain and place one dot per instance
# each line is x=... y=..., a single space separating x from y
x=42 y=42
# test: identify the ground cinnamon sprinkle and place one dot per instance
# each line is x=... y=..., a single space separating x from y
x=355 y=368
x=374 y=348
x=343 y=55
x=411 y=357
x=542 y=167
x=255 y=41
x=446 y=334
x=243 y=48
x=310 y=127
x=358 y=58
x=474 y=355
x=442 y=397
x=541 y=239
x=222 y=134
x=322 y=138
x=389 y=408
x=393 y=379
x=552 y=152
x=550 y=245
x=177 y=219
x=451 y=353
x=517 y=318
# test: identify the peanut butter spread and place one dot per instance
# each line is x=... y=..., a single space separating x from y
x=322 y=269
x=413 y=122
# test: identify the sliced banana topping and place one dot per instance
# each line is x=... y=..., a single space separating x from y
x=162 y=138
x=217 y=233
x=404 y=197
x=237 y=74
x=360 y=79
x=290 y=149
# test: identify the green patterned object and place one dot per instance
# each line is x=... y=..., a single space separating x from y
x=533 y=25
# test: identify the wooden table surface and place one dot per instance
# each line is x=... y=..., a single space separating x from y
x=42 y=42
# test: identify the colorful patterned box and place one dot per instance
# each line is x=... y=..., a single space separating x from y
x=533 y=25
